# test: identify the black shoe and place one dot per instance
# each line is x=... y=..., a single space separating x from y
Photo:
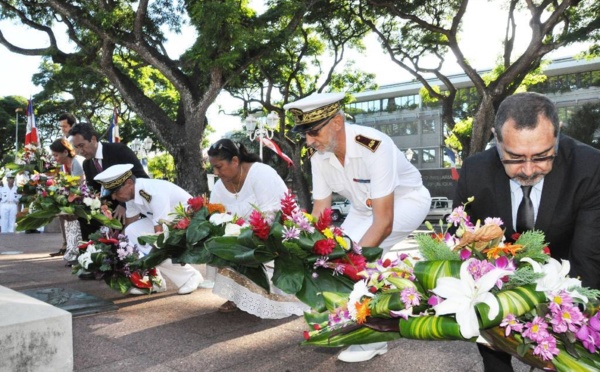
x=32 y=232
x=61 y=252
x=87 y=276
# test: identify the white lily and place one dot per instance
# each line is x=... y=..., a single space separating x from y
x=359 y=291
x=85 y=259
x=555 y=278
x=220 y=218
x=463 y=294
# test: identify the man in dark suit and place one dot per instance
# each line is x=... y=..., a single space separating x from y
x=561 y=176
x=99 y=156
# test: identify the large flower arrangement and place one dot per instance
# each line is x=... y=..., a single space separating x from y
x=62 y=194
x=470 y=286
x=116 y=259
x=310 y=255
x=31 y=160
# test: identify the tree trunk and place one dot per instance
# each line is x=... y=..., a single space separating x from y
x=483 y=123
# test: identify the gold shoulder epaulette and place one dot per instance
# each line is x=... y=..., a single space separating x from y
x=367 y=142
x=145 y=195
x=310 y=152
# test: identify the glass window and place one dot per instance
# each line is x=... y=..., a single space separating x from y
x=428 y=126
x=428 y=155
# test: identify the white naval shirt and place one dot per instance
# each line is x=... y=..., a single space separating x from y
x=8 y=195
x=156 y=199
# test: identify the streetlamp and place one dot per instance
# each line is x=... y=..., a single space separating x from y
x=409 y=153
x=265 y=128
x=142 y=149
x=17 y=110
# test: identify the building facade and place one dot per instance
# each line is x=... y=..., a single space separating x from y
x=417 y=128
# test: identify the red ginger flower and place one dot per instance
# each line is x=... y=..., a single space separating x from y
x=288 y=205
x=324 y=220
x=324 y=247
x=259 y=225
x=182 y=224
x=196 y=203
x=353 y=264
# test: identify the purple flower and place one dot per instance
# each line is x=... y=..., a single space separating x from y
x=457 y=215
x=493 y=221
x=589 y=338
x=536 y=330
x=546 y=348
x=434 y=300
x=465 y=254
x=290 y=233
x=595 y=322
x=410 y=297
x=512 y=324
x=567 y=318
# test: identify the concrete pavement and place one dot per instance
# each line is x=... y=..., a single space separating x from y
x=167 y=332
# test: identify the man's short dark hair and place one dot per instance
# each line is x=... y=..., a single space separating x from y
x=86 y=130
x=524 y=109
x=70 y=118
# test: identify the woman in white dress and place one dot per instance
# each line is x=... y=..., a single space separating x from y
x=245 y=182
x=64 y=155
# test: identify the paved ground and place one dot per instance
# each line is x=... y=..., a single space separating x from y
x=170 y=333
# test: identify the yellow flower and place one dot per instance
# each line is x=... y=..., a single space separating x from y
x=328 y=233
x=309 y=217
x=342 y=242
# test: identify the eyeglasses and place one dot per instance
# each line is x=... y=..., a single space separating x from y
x=540 y=159
x=315 y=132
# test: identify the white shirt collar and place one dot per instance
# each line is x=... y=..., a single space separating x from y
x=99 y=151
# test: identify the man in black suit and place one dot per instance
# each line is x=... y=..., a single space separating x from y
x=562 y=177
x=99 y=156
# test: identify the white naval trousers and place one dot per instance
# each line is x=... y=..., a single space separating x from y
x=177 y=273
x=410 y=210
x=8 y=215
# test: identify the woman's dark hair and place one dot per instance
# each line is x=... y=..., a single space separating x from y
x=86 y=130
x=61 y=145
x=226 y=149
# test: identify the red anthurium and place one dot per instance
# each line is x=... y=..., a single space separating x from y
x=546 y=250
x=138 y=281
x=108 y=240
x=306 y=335
x=85 y=245
x=196 y=203
x=72 y=197
x=153 y=272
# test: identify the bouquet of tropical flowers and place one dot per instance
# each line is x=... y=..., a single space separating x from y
x=116 y=259
x=470 y=285
x=310 y=255
x=33 y=159
x=62 y=194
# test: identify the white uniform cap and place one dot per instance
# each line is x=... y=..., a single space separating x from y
x=313 y=110
x=113 y=177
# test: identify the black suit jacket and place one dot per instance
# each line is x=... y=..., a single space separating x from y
x=113 y=153
x=569 y=211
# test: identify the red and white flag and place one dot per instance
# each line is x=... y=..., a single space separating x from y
x=113 y=130
x=273 y=146
x=31 y=136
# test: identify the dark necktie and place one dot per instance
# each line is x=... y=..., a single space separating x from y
x=525 y=220
x=97 y=165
